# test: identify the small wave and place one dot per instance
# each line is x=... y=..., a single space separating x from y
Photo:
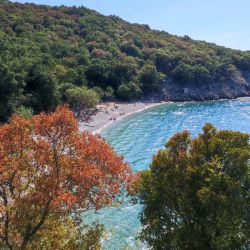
x=179 y=113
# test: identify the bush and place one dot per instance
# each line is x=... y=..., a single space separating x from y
x=243 y=61
x=99 y=91
x=131 y=50
x=25 y=112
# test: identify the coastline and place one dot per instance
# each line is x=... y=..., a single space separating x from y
x=111 y=112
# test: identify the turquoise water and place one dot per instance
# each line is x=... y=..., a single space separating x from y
x=139 y=136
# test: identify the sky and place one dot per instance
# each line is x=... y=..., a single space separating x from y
x=224 y=22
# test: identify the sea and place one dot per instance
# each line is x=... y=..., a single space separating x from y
x=138 y=137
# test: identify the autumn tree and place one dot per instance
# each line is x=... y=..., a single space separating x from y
x=51 y=170
x=66 y=234
x=196 y=193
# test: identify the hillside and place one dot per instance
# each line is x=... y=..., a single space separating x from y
x=46 y=50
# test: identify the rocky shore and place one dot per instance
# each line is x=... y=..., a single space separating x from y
x=239 y=86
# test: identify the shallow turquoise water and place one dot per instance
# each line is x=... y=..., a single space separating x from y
x=138 y=137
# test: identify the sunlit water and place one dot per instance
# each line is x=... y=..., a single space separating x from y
x=138 y=137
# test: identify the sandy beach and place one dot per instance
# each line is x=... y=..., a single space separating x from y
x=111 y=112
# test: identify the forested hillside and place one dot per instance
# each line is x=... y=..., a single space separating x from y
x=45 y=52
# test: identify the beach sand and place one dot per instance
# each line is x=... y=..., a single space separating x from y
x=111 y=112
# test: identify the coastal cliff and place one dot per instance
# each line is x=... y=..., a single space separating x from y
x=238 y=86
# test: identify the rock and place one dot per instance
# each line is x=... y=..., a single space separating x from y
x=237 y=86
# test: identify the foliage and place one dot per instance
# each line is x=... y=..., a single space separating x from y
x=25 y=112
x=129 y=91
x=50 y=171
x=99 y=91
x=8 y=90
x=196 y=74
x=66 y=234
x=109 y=92
x=150 y=78
x=97 y=73
x=81 y=98
x=196 y=193
x=43 y=48
x=42 y=87
x=130 y=49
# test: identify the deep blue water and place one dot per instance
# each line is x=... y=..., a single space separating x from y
x=138 y=137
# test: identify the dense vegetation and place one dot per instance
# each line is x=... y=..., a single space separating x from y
x=50 y=174
x=45 y=51
x=196 y=193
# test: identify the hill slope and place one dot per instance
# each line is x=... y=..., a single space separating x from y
x=46 y=50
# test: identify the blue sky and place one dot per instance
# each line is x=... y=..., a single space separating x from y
x=225 y=22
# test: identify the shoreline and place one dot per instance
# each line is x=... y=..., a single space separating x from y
x=112 y=112
x=98 y=131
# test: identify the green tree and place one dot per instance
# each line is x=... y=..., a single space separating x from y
x=129 y=91
x=8 y=92
x=62 y=89
x=243 y=61
x=121 y=72
x=42 y=86
x=150 y=78
x=24 y=111
x=97 y=73
x=99 y=91
x=138 y=43
x=130 y=49
x=196 y=193
x=166 y=63
x=183 y=73
x=109 y=92
x=123 y=92
x=82 y=99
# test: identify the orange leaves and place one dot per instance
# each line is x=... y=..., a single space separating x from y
x=47 y=166
x=132 y=183
x=64 y=198
x=58 y=125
